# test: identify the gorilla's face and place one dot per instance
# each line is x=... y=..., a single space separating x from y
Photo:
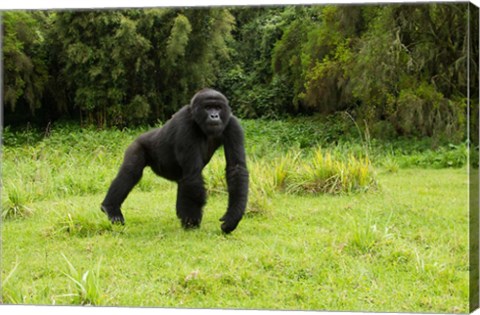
x=213 y=121
x=210 y=111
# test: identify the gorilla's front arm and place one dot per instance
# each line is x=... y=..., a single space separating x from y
x=191 y=194
x=237 y=175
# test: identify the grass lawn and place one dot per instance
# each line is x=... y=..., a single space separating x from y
x=401 y=247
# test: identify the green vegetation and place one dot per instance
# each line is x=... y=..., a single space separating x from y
x=356 y=141
x=402 y=69
x=335 y=222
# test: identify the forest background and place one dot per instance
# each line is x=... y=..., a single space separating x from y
x=398 y=70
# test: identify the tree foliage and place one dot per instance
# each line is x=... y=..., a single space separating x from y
x=128 y=66
x=404 y=65
x=25 y=72
x=400 y=68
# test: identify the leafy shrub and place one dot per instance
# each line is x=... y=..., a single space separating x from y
x=449 y=156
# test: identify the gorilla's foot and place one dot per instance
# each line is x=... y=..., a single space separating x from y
x=191 y=223
x=114 y=215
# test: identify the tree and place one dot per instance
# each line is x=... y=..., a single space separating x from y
x=411 y=69
x=247 y=77
x=100 y=57
x=25 y=72
x=125 y=66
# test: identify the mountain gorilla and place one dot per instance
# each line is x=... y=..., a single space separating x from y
x=179 y=151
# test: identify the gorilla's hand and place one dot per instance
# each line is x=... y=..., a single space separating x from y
x=229 y=223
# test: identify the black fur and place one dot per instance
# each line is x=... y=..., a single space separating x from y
x=179 y=151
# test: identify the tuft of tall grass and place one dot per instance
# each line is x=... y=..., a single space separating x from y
x=262 y=187
x=312 y=172
x=283 y=167
x=214 y=175
x=15 y=203
x=390 y=164
x=79 y=224
x=82 y=226
x=87 y=287
x=364 y=239
x=328 y=173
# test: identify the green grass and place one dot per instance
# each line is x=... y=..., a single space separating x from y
x=402 y=246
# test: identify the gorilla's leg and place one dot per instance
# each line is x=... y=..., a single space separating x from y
x=191 y=197
x=130 y=173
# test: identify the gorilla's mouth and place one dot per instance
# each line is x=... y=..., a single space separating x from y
x=214 y=128
x=214 y=124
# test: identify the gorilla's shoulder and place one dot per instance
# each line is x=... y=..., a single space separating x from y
x=182 y=113
x=234 y=124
